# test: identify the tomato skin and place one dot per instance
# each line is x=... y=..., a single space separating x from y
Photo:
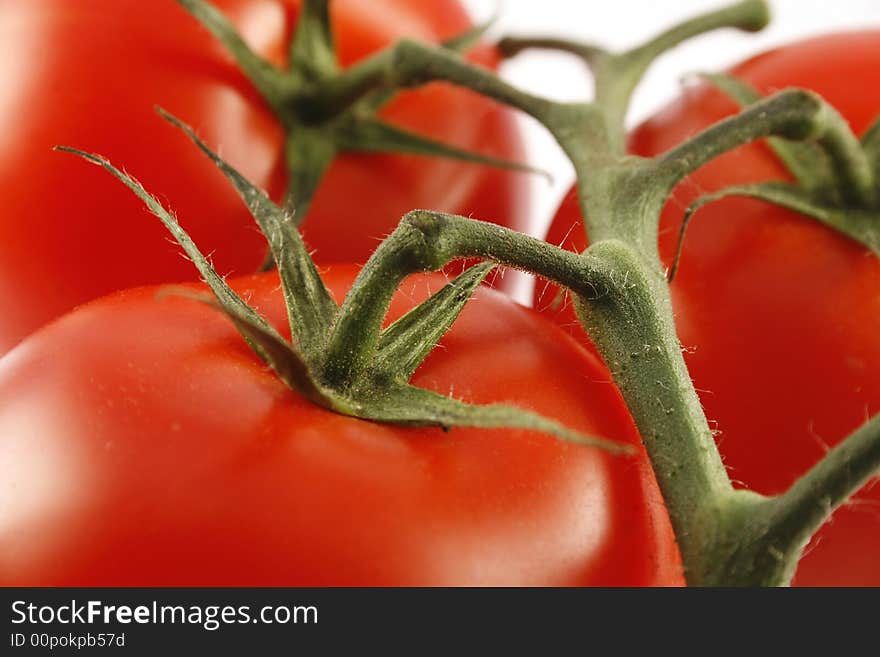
x=88 y=75
x=143 y=443
x=779 y=316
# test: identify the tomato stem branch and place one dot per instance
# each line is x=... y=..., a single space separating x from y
x=799 y=512
x=854 y=173
x=579 y=128
x=763 y=538
x=618 y=74
x=632 y=327
x=792 y=114
x=804 y=161
x=428 y=241
x=511 y=46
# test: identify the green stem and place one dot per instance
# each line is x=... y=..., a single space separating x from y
x=871 y=146
x=798 y=513
x=355 y=335
x=853 y=171
x=633 y=329
x=619 y=196
x=749 y=16
x=578 y=127
x=804 y=161
x=792 y=114
x=412 y=63
x=631 y=318
x=511 y=46
x=347 y=87
x=617 y=75
x=623 y=299
x=355 y=82
x=427 y=241
x=762 y=539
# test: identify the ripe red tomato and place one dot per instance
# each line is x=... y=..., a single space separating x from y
x=88 y=74
x=143 y=443
x=779 y=315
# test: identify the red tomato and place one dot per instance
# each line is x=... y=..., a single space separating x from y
x=780 y=316
x=143 y=443
x=88 y=74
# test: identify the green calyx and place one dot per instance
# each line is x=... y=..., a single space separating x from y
x=368 y=376
x=836 y=175
x=324 y=109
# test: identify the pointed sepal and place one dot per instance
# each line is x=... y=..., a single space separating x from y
x=268 y=80
x=408 y=341
x=408 y=405
x=467 y=39
x=312 y=49
x=376 y=136
x=280 y=355
x=284 y=359
x=863 y=226
x=311 y=309
x=459 y=43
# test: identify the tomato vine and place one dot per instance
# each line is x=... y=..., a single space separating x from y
x=341 y=358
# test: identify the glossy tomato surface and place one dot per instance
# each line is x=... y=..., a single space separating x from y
x=143 y=443
x=779 y=316
x=89 y=73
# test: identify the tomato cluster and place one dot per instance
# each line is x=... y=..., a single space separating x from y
x=142 y=442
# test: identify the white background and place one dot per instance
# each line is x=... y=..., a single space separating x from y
x=619 y=24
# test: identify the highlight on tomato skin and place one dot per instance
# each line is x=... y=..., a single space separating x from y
x=778 y=315
x=147 y=445
x=89 y=74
